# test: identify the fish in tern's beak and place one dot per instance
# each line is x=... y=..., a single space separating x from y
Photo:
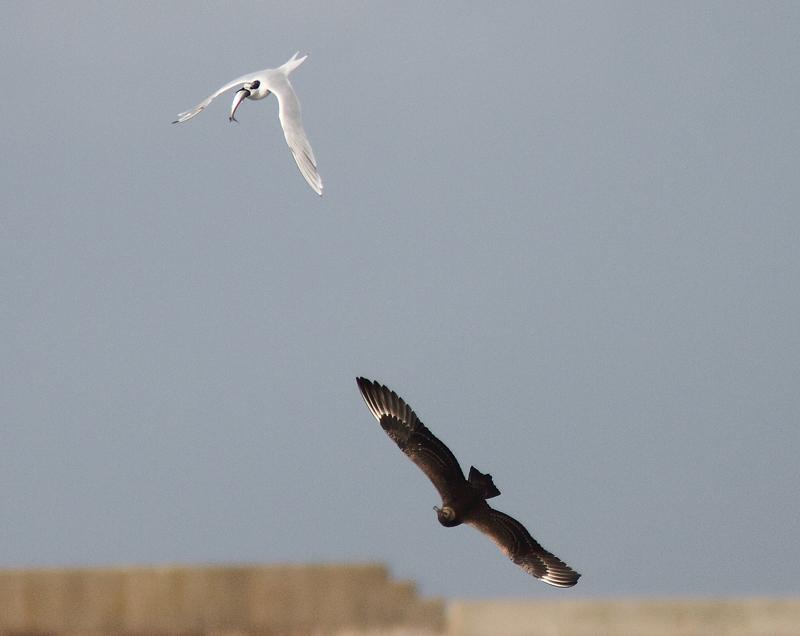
x=238 y=98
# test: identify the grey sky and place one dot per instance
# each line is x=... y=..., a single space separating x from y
x=567 y=234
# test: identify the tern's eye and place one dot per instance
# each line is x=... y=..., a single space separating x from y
x=255 y=85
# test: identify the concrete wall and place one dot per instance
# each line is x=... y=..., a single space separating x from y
x=175 y=599
x=745 y=617
x=346 y=600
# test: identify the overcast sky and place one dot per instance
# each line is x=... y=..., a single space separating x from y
x=566 y=233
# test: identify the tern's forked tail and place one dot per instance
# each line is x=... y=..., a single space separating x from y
x=293 y=63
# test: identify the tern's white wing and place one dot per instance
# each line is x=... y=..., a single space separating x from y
x=289 y=114
x=186 y=116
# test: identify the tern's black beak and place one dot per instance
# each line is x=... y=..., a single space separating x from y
x=240 y=96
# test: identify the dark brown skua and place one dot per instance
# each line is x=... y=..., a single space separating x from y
x=463 y=500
